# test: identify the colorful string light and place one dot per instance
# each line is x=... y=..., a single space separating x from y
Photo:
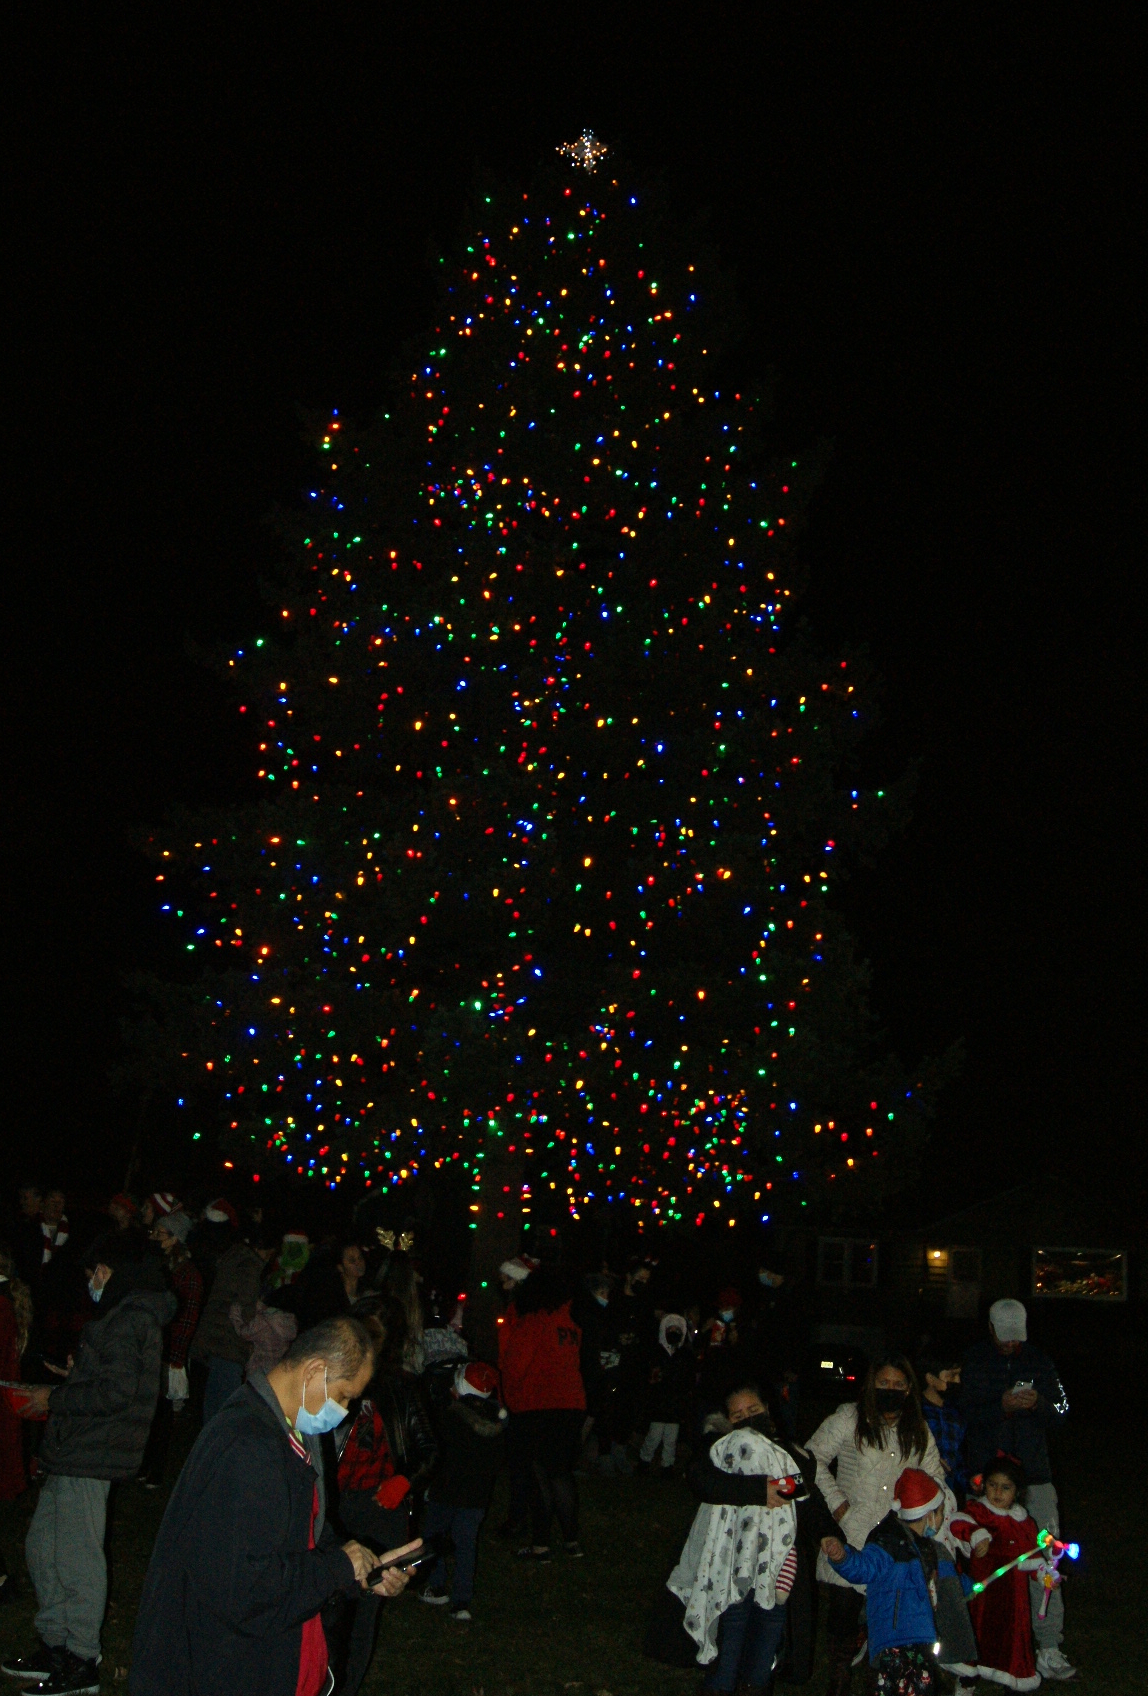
x=551 y=813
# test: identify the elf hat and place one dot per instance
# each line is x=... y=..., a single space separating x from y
x=162 y=1201
x=520 y=1268
x=476 y=1378
x=916 y=1494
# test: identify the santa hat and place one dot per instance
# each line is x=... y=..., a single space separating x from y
x=123 y=1201
x=729 y=1297
x=520 y=1268
x=221 y=1212
x=916 y=1494
x=476 y=1378
x=163 y=1202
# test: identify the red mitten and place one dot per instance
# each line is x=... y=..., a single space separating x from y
x=391 y=1491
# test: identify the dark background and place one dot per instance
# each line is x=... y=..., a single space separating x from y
x=925 y=211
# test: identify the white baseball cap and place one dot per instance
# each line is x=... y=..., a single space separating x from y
x=1009 y=1321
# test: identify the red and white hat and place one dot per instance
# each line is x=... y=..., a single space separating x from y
x=520 y=1268
x=917 y=1493
x=221 y=1212
x=476 y=1378
x=162 y=1201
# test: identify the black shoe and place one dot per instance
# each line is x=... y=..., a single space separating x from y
x=39 y=1666
x=74 y=1678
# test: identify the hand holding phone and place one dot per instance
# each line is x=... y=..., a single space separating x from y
x=406 y=1558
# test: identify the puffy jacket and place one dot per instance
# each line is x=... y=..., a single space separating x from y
x=985 y=1377
x=472 y=1453
x=538 y=1358
x=897 y=1603
x=237 y=1275
x=100 y=1416
x=866 y=1477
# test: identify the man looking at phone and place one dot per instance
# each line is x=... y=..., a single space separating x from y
x=244 y=1559
x=1011 y=1397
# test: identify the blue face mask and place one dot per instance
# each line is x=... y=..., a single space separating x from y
x=96 y=1291
x=603 y=1301
x=328 y=1416
x=930 y=1531
x=726 y=1315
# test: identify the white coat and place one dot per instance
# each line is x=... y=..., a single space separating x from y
x=865 y=1479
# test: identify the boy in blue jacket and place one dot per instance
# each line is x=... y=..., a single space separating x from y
x=901 y=1567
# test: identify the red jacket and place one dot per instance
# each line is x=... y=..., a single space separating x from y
x=538 y=1358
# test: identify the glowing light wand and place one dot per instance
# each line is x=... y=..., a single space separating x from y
x=1053 y=1551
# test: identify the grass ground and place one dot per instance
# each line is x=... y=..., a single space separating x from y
x=577 y=1626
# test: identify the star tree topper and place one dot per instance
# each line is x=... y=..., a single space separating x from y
x=587 y=151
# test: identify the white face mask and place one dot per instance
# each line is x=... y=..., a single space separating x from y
x=95 y=1290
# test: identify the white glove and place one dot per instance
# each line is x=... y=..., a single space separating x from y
x=177 y=1384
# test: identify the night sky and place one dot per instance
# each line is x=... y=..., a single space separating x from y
x=925 y=214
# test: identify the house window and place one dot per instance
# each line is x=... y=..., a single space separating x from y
x=1080 y=1274
x=847 y=1263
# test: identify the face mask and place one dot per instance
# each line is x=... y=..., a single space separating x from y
x=674 y=1339
x=328 y=1416
x=761 y=1422
x=929 y=1531
x=726 y=1315
x=890 y=1401
x=96 y=1291
x=767 y=1279
x=603 y=1301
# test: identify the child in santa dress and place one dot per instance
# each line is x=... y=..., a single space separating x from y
x=991 y=1530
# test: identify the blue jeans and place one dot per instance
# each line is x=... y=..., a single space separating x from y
x=461 y=1526
x=749 y=1638
x=224 y=1377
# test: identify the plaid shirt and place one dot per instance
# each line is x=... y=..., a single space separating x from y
x=188 y=1287
x=948 y=1429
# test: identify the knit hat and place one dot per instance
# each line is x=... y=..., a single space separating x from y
x=916 y=1494
x=1009 y=1321
x=177 y=1223
x=520 y=1268
x=476 y=1378
x=125 y=1202
x=221 y=1212
x=163 y=1202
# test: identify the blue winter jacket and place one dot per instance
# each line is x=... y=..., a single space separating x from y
x=896 y=1592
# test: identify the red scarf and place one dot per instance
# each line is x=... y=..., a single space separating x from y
x=313 y=1650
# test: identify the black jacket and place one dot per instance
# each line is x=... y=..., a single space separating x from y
x=671 y=1384
x=473 y=1434
x=101 y=1414
x=410 y=1435
x=236 y=1279
x=985 y=1377
x=231 y=1579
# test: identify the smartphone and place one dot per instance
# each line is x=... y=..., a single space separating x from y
x=1025 y=1384
x=412 y=1558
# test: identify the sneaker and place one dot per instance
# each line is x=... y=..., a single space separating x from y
x=575 y=1551
x=435 y=1598
x=1054 y=1664
x=530 y=1553
x=39 y=1666
x=73 y=1677
x=462 y=1615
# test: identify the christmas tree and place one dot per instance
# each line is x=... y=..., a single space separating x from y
x=538 y=888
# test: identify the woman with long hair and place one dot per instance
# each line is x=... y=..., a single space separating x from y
x=869 y=1443
x=402 y=1282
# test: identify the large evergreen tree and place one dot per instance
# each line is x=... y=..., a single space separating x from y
x=554 y=796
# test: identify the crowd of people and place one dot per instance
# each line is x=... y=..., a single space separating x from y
x=351 y=1433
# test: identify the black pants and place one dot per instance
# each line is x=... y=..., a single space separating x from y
x=518 y=1466
x=351 y=1623
x=842 y=1622
x=158 y=1442
x=552 y=1437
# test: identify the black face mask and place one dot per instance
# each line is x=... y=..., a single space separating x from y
x=890 y=1401
x=763 y=1423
